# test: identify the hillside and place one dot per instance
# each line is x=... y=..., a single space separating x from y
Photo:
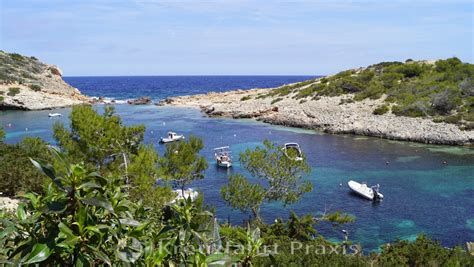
x=28 y=84
x=421 y=101
x=441 y=90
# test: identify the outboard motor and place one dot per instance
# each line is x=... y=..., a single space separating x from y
x=375 y=189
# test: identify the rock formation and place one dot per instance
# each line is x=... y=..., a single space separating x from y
x=28 y=84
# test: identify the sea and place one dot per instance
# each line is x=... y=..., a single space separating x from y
x=428 y=189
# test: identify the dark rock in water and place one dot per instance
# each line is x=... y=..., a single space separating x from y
x=164 y=102
x=144 y=100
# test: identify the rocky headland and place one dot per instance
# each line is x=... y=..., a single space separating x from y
x=339 y=114
x=28 y=84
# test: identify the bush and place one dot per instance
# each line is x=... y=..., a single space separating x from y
x=381 y=110
x=453 y=119
x=2 y=98
x=13 y=91
x=17 y=174
x=442 y=103
x=245 y=98
x=416 y=109
x=35 y=87
x=276 y=100
x=409 y=70
x=2 y=92
x=16 y=56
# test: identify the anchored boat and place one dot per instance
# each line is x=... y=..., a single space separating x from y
x=293 y=151
x=51 y=115
x=223 y=157
x=172 y=137
x=188 y=193
x=371 y=193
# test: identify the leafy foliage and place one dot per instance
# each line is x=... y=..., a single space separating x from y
x=182 y=163
x=102 y=141
x=85 y=219
x=16 y=173
x=279 y=177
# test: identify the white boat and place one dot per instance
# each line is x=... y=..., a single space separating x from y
x=172 y=137
x=188 y=193
x=293 y=151
x=51 y=115
x=371 y=193
x=223 y=157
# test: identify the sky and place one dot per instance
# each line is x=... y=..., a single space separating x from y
x=233 y=37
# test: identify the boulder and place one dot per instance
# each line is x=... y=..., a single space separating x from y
x=144 y=100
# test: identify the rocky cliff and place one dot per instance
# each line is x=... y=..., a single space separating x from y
x=28 y=84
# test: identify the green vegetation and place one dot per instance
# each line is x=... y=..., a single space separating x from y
x=245 y=98
x=94 y=202
x=287 y=89
x=17 y=174
x=102 y=142
x=182 y=163
x=15 y=68
x=278 y=99
x=416 y=88
x=2 y=98
x=35 y=87
x=13 y=91
x=279 y=172
x=381 y=110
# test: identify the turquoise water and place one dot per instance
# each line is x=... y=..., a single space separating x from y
x=422 y=195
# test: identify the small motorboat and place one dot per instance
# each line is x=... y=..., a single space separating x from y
x=293 y=151
x=188 y=193
x=52 y=115
x=172 y=137
x=223 y=157
x=371 y=193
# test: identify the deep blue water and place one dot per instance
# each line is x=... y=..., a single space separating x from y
x=422 y=195
x=159 y=87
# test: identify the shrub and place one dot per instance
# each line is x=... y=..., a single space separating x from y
x=2 y=92
x=17 y=174
x=447 y=64
x=346 y=101
x=245 y=98
x=416 y=109
x=381 y=110
x=453 y=119
x=409 y=70
x=444 y=102
x=13 y=91
x=16 y=56
x=35 y=87
x=276 y=100
x=366 y=76
x=2 y=98
x=390 y=79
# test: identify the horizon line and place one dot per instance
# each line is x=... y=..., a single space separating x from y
x=194 y=75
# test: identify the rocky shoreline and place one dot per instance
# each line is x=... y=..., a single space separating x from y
x=337 y=115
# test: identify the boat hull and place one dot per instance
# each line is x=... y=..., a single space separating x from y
x=224 y=164
x=362 y=190
x=168 y=140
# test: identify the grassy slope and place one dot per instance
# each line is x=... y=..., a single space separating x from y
x=441 y=90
